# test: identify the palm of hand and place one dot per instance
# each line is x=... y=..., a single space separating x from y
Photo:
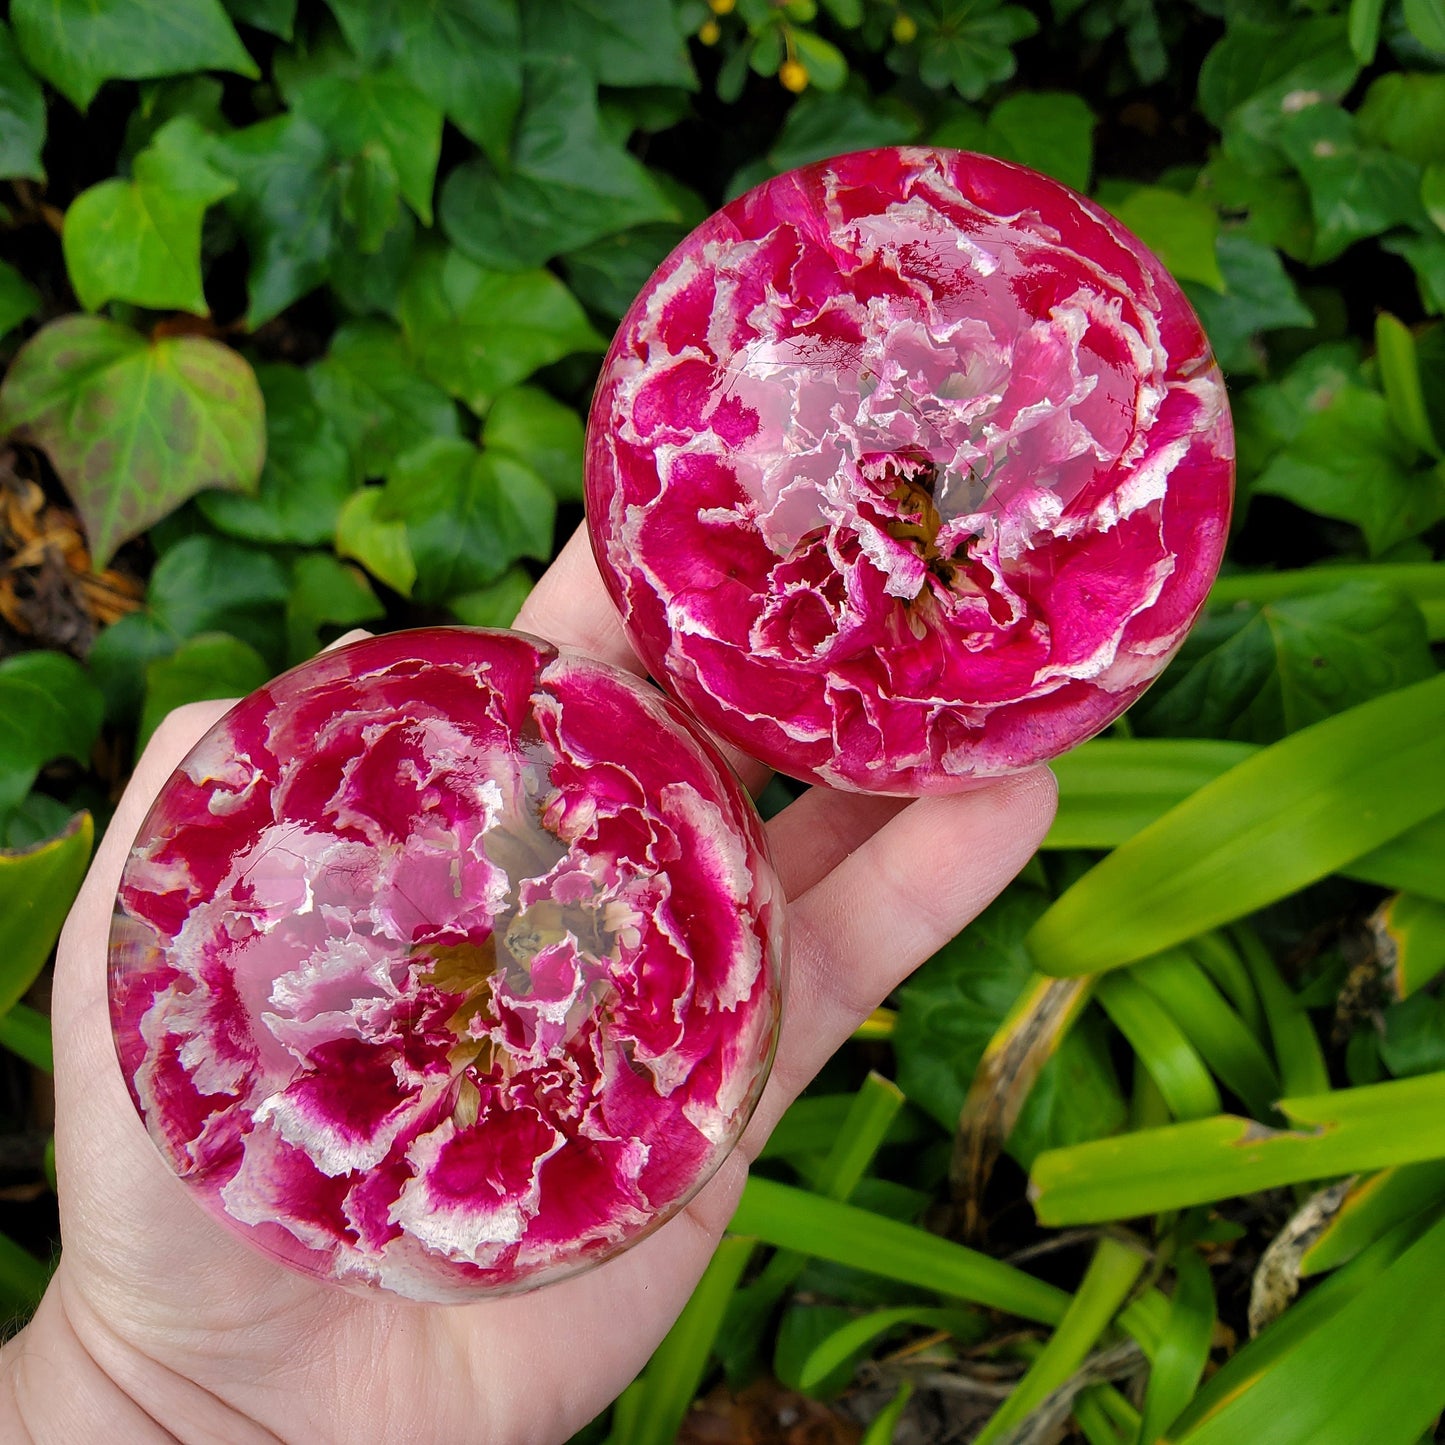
x=213 y=1342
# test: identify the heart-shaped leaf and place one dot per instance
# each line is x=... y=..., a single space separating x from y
x=133 y=426
x=356 y=107
x=1256 y=673
x=51 y=709
x=476 y=332
x=37 y=887
x=369 y=386
x=307 y=474
x=329 y=594
x=78 y=44
x=537 y=429
x=469 y=515
x=18 y=299
x=22 y=114
x=569 y=182
x=213 y=665
x=140 y=240
x=633 y=44
x=202 y=584
x=464 y=55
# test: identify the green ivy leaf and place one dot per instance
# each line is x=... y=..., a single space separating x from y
x=469 y=515
x=287 y=204
x=607 y=274
x=1426 y=255
x=495 y=605
x=38 y=817
x=134 y=427
x=963 y=128
x=19 y=300
x=967 y=44
x=37 y=887
x=377 y=541
x=275 y=17
x=370 y=285
x=357 y=108
x=22 y=114
x=819 y=125
x=1413 y=1041
x=211 y=665
x=1404 y=111
x=568 y=183
x=1050 y=130
x=1258 y=296
x=307 y=475
x=1349 y=462
x=380 y=404
x=950 y=1009
x=370 y=198
x=539 y=431
x=197 y=97
x=78 y=44
x=476 y=332
x=327 y=596
x=1425 y=20
x=1181 y=230
x=1355 y=191
x=463 y=55
x=1273 y=202
x=1432 y=194
x=1256 y=673
x=140 y=240
x=1259 y=75
x=202 y=584
x=634 y=44
x=52 y=709
x=1270 y=416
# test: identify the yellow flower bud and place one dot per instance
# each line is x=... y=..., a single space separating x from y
x=905 y=28
x=710 y=32
x=793 y=76
x=722 y=7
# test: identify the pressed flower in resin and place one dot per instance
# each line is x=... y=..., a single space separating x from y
x=447 y=963
x=909 y=468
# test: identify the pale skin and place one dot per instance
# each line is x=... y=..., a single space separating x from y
x=160 y=1324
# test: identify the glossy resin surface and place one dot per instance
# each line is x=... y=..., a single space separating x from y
x=909 y=468
x=447 y=964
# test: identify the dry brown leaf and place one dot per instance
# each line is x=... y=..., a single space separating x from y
x=766 y=1413
x=47 y=588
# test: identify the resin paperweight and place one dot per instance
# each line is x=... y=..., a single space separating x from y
x=909 y=468
x=447 y=963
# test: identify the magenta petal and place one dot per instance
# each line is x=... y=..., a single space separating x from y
x=909 y=468
x=447 y=964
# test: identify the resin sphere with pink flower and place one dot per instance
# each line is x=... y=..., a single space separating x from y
x=447 y=963
x=909 y=468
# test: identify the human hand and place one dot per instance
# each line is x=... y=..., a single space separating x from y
x=162 y=1324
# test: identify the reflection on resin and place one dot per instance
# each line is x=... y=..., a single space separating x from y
x=909 y=468
x=446 y=964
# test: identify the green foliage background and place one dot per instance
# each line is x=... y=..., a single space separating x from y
x=301 y=306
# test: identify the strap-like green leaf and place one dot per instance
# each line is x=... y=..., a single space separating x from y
x=1287 y=816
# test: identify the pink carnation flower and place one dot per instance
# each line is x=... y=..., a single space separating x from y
x=909 y=468
x=447 y=963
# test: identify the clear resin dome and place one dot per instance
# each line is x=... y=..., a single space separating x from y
x=447 y=963
x=909 y=468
